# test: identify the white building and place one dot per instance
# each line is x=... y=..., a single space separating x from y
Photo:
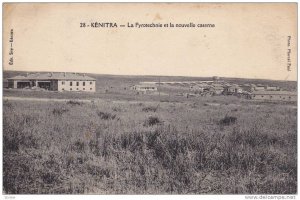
x=55 y=81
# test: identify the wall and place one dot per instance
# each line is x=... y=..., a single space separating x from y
x=12 y=84
x=54 y=85
x=275 y=97
x=146 y=88
x=66 y=86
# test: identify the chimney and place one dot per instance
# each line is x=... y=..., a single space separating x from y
x=51 y=74
x=64 y=74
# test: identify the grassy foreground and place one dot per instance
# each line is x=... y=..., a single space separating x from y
x=143 y=148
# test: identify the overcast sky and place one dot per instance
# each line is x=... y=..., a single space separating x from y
x=248 y=41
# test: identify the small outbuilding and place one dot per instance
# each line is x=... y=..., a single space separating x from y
x=234 y=89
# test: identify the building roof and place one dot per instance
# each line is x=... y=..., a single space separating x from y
x=272 y=86
x=53 y=76
x=275 y=93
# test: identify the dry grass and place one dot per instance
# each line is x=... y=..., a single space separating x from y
x=184 y=148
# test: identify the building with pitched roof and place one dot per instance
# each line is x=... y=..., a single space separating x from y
x=54 y=81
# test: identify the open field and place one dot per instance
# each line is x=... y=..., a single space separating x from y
x=215 y=145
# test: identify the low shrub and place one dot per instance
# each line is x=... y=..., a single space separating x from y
x=74 y=103
x=151 y=121
x=106 y=115
x=117 y=109
x=78 y=146
x=228 y=120
x=149 y=109
x=59 y=111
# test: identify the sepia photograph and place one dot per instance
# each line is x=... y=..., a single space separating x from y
x=149 y=99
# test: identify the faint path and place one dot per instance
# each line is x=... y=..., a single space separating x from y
x=44 y=99
x=10 y=98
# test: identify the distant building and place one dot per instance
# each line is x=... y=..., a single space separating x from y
x=56 y=81
x=272 y=88
x=259 y=88
x=217 y=90
x=247 y=87
x=196 y=89
x=274 y=95
x=215 y=78
x=145 y=88
x=234 y=89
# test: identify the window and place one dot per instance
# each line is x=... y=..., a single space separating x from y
x=83 y=83
x=90 y=88
x=62 y=82
x=70 y=88
x=262 y=96
x=63 y=88
x=83 y=88
x=76 y=88
x=91 y=83
x=70 y=83
x=77 y=83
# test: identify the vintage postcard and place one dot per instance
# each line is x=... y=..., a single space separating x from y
x=150 y=98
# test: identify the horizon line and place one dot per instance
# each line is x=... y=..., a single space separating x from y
x=187 y=76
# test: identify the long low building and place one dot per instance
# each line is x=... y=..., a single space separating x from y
x=145 y=87
x=55 y=81
x=274 y=95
